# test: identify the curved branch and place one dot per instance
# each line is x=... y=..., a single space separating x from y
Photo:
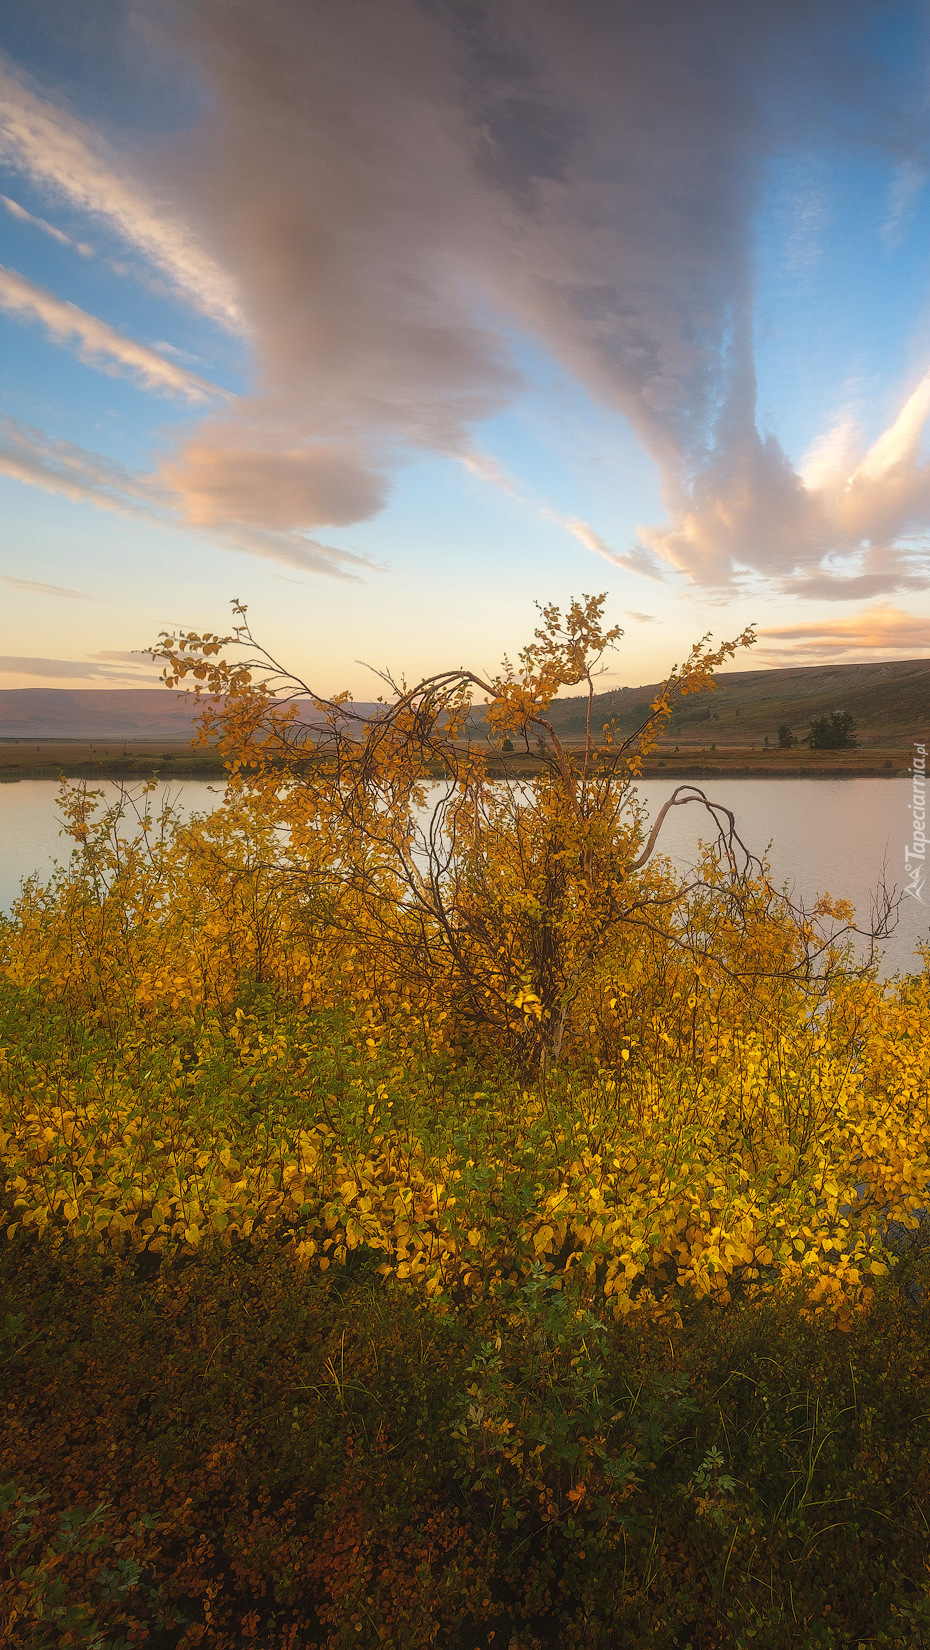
x=729 y=836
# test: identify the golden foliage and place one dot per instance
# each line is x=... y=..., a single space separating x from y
x=380 y=999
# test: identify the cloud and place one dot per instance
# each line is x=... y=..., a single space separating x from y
x=310 y=555
x=905 y=190
x=637 y=560
x=97 y=343
x=57 y=466
x=487 y=468
x=387 y=197
x=852 y=522
x=591 y=540
x=132 y=656
x=36 y=589
x=74 y=163
x=70 y=669
x=880 y=629
x=402 y=191
x=802 y=212
x=281 y=490
x=185 y=355
x=873 y=572
x=22 y=216
x=40 y=460
x=334 y=174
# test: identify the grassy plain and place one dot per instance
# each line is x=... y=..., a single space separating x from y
x=105 y=759
x=137 y=759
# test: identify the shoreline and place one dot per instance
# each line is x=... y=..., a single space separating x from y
x=138 y=760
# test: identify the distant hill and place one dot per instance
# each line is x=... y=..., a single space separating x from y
x=100 y=714
x=890 y=702
x=93 y=713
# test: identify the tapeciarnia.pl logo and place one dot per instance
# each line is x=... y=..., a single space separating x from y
x=915 y=856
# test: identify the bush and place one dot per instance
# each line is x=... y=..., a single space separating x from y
x=836 y=732
x=471 y=1030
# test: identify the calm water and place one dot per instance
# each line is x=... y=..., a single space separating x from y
x=30 y=826
x=834 y=835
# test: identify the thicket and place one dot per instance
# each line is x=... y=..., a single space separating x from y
x=576 y=1125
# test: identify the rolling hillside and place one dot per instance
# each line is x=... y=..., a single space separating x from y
x=890 y=702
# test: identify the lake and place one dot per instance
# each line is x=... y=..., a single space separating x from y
x=834 y=835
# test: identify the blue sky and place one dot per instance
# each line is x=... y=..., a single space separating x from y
x=392 y=321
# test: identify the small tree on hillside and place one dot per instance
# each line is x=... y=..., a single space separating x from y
x=836 y=732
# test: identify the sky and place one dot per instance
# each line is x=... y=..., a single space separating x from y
x=392 y=320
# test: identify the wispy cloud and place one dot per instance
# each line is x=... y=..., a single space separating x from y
x=34 y=588
x=130 y=656
x=906 y=186
x=802 y=212
x=68 y=669
x=22 y=216
x=97 y=343
x=638 y=560
x=71 y=161
x=186 y=355
x=487 y=468
x=880 y=629
x=57 y=466
x=40 y=460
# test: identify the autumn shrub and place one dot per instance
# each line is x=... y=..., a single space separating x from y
x=471 y=1029
x=781 y=1163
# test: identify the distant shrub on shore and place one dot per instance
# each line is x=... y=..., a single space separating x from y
x=836 y=732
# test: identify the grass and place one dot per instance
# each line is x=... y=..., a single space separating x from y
x=687 y=757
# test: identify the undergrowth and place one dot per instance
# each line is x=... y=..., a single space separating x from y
x=225 y=1451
